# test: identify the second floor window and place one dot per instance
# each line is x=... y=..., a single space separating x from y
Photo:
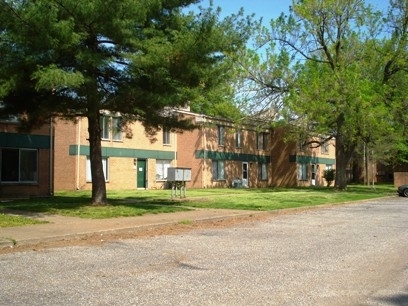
x=324 y=147
x=220 y=135
x=111 y=128
x=104 y=127
x=238 y=138
x=262 y=141
x=166 y=136
x=116 y=128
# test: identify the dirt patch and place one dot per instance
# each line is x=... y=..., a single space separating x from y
x=138 y=233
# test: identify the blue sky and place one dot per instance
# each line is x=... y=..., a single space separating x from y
x=267 y=9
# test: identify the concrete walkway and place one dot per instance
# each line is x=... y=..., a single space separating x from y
x=60 y=227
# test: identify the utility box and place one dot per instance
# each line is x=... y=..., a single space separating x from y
x=178 y=174
x=178 y=177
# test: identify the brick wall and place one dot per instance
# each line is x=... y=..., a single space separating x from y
x=70 y=170
x=43 y=187
x=400 y=178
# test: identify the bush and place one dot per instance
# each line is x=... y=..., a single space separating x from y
x=329 y=176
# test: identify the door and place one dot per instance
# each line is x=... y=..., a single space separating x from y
x=313 y=174
x=141 y=173
x=244 y=174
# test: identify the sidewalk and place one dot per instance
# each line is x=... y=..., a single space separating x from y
x=60 y=227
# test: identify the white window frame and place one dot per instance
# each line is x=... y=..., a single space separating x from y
x=111 y=128
x=104 y=123
x=116 y=129
x=105 y=165
x=162 y=166
x=166 y=136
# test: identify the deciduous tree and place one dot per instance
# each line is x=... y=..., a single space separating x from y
x=316 y=71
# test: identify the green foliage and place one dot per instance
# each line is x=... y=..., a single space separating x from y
x=134 y=58
x=138 y=58
x=334 y=68
x=329 y=175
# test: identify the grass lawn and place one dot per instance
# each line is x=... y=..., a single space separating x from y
x=12 y=220
x=137 y=203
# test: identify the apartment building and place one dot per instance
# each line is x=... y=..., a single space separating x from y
x=223 y=155
x=219 y=154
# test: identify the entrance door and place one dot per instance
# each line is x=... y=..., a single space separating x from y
x=244 y=174
x=141 y=173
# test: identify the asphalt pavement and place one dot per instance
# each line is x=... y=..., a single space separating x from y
x=340 y=255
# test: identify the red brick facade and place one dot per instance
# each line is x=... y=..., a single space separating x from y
x=13 y=146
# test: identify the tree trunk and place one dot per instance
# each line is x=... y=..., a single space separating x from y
x=95 y=155
x=344 y=152
x=341 y=165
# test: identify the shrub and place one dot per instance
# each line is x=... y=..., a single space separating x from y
x=329 y=175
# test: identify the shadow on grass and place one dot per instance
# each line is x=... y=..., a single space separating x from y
x=127 y=203
x=59 y=202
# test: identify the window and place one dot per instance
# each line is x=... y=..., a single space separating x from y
x=104 y=166
x=265 y=141
x=324 y=147
x=166 y=136
x=238 y=135
x=302 y=172
x=218 y=170
x=302 y=143
x=329 y=167
x=161 y=169
x=116 y=128
x=19 y=165
x=262 y=171
x=111 y=128
x=104 y=122
x=9 y=118
x=262 y=141
x=220 y=135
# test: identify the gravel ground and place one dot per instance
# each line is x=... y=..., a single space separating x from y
x=345 y=255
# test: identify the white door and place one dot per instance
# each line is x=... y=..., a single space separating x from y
x=244 y=174
x=313 y=174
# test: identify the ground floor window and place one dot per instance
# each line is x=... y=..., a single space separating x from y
x=105 y=165
x=19 y=165
x=262 y=171
x=161 y=169
x=218 y=170
x=302 y=172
